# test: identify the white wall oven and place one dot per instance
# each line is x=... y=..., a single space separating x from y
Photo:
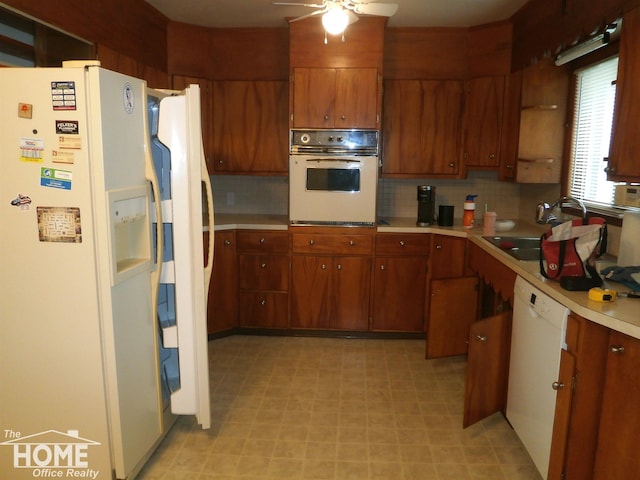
x=333 y=177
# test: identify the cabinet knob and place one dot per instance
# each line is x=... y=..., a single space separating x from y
x=402 y=243
x=481 y=338
x=508 y=165
x=326 y=117
x=339 y=267
x=227 y=242
x=262 y=240
x=323 y=266
x=610 y=169
x=492 y=156
x=343 y=117
x=616 y=349
x=438 y=247
x=452 y=165
x=351 y=243
x=557 y=385
x=263 y=302
x=263 y=265
x=311 y=242
x=381 y=267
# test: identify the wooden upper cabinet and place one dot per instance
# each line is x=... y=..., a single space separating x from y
x=625 y=141
x=422 y=127
x=250 y=127
x=483 y=122
x=335 y=98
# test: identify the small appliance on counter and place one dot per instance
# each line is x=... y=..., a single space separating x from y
x=426 y=205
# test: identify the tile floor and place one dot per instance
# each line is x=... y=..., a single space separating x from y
x=318 y=408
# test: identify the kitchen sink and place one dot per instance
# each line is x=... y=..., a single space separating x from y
x=521 y=248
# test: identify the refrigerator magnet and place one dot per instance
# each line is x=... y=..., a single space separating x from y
x=21 y=201
x=55 y=178
x=31 y=149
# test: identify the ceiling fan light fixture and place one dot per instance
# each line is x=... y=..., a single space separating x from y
x=335 y=21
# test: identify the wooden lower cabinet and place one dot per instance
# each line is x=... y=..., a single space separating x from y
x=487 y=368
x=263 y=309
x=452 y=310
x=400 y=282
x=222 y=305
x=619 y=431
x=330 y=292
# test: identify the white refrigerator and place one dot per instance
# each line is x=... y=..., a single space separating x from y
x=103 y=286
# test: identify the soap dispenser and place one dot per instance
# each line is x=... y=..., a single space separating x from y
x=469 y=216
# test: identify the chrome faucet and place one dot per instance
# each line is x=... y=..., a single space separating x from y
x=544 y=211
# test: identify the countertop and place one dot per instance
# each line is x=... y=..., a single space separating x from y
x=622 y=315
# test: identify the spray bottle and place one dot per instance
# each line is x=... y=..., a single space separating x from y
x=469 y=216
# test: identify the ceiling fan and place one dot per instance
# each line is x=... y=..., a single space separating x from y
x=338 y=14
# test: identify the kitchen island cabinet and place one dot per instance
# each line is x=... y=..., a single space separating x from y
x=330 y=278
x=422 y=127
x=263 y=279
x=335 y=98
x=400 y=282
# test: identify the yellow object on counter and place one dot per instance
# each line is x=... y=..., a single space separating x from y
x=602 y=295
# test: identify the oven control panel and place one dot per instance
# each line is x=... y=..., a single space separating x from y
x=360 y=142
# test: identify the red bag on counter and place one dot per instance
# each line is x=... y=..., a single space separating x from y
x=570 y=250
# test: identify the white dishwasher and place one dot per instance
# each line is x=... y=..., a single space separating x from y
x=538 y=335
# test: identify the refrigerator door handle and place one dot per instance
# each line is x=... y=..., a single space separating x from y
x=209 y=192
x=150 y=173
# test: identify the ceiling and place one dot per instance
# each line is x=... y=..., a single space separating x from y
x=262 y=13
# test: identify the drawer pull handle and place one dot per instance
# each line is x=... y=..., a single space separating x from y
x=617 y=349
x=438 y=247
x=481 y=338
x=339 y=267
x=557 y=385
x=262 y=240
x=227 y=242
x=402 y=243
x=351 y=243
x=263 y=302
x=381 y=267
x=263 y=265
x=311 y=242
x=323 y=267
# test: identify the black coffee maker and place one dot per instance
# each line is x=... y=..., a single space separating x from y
x=426 y=205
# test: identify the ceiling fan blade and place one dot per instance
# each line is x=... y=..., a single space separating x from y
x=292 y=4
x=312 y=14
x=381 y=9
x=353 y=18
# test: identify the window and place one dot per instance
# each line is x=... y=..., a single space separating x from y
x=593 y=117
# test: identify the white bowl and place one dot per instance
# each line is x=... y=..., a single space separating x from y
x=504 y=225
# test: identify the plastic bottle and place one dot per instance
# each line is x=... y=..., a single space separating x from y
x=469 y=216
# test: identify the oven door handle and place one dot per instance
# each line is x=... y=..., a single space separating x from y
x=332 y=160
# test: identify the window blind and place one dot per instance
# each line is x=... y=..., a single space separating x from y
x=594 y=103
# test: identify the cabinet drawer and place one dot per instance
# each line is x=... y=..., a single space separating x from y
x=263 y=272
x=447 y=256
x=262 y=309
x=332 y=244
x=257 y=241
x=402 y=244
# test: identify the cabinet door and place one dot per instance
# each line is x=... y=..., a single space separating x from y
x=487 y=368
x=263 y=272
x=250 y=126
x=401 y=128
x=263 y=309
x=483 y=122
x=399 y=288
x=422 y=127
x=222 y=305
x=564 y=396
x=452 y=310
x=350 y=288
x=447 y=256
x=313 y=97
x=180 y=82
x=356 y=98
x=310 y=291
x=625 y=144
x=616 y=455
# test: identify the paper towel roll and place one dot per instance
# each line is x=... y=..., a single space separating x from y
x=629 y=251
